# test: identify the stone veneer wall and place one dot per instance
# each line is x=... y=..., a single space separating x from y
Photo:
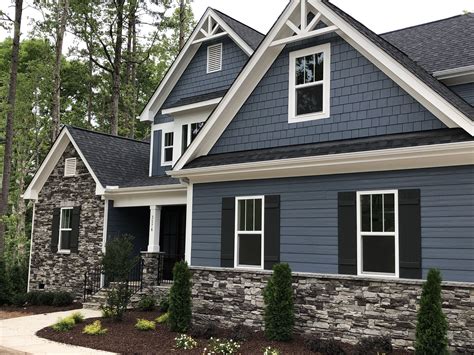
x=59 y=271
x=342 y=307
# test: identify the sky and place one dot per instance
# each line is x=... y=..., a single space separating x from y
x=379 y=16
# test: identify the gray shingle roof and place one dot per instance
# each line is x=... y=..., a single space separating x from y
x=117 y=161
x=248 y=34
x=438 y=45
x=448 y=135
x=195 y=99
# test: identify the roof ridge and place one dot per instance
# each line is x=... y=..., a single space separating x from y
x=106 y=134
x=423 y=24
x=240 y=22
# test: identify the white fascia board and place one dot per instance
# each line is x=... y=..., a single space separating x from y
x=191 y=107
x=439 y=155
x=456 y=76
x=181 y=63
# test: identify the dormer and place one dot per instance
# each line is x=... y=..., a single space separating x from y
x=204 y=70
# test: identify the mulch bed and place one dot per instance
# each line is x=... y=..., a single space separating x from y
x=122 y=337
x=7 y=312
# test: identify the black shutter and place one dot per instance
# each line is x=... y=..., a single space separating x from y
x=347 y=233
x=75 y=223
x=409 y=233
x=227 y=231
x=55 y=230
x=272 y=232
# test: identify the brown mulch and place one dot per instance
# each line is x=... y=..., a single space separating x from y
x=7 y=312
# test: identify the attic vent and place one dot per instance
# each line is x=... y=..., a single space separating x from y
x=214 y=58
x=70 y=167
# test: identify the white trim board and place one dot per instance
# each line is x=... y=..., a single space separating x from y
x=456 y=76
x=429 y=156
x=265 y=55
x=184 y=58
x=191 y=107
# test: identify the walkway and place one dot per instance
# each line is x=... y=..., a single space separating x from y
x=17 y=335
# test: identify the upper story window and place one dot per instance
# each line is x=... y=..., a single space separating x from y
x=167 y=153
x=70 y=167
x=65 y=230
x=309 y=84
x=189 y=133
x=214 y=58
x=377 y=233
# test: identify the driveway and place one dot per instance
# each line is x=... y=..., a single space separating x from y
x=17 y=335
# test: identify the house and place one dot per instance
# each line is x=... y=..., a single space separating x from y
x=346 y=154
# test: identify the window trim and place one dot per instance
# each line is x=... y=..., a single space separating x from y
x=325 y=113
x=261 y=233
x=65 y=165
x=220 y=58
x=395 y=234
x=163 y=147
x=60 y=250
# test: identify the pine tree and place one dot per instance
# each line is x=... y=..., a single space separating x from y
x=432 y=326
x=180 y=298
x=279 y=309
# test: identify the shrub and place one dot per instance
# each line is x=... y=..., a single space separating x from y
x=328 y=347
x=279 y=309
x=33 y=298
x=143 y=324
x=78 y=317
x=46 y=298
x=4 y=284
x=19 y=299
x=242 y=332
x=62 y=298
x=180 y=298
x=94 y=329
x=431 y=327
x=207 y=331
x=185 y=342
x=64 y=324
x=117 y=300
x=271 y=351
x=165 y=304
x=118 y=259
x=147 y=303
x=224 y=346
x=375 y=345
x=163 y=318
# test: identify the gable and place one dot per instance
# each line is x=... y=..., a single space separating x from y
x=363 y=102
x=195 y=81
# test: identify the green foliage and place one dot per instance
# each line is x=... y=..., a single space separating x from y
x=64 y=324
x=180 y=298
x=164 y=318
x=118 y=298
x=432 y=326
x=165 y=304
x=5 y=296
x=221 y=346
x=62 y=298
x=324 y=346
x=279 y=309
x=185 y=342
x=118 y=259
x=46 y=298
x=78 y=317
x=33 y=298
x=144 y=324
x=271 y=351
x=94 y=329
x=375 y=345
x=147 y=303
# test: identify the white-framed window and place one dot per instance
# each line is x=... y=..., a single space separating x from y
x=309 y=84
x=249 y=232
x=377 y=233
x=214 y=58
x=167 y=148
x=189 y=133
x=70 y=167
x=65 y=230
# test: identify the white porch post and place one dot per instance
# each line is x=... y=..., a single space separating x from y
x=154 y=236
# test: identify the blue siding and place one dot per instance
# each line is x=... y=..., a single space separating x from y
x=466 y=91
x=364 y=102
x=195 y=80
x=309 y=217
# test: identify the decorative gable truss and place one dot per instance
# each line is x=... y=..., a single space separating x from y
x=303 y=19
x=210 y=27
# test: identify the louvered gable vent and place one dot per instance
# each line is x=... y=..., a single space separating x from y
x=70 y=167
x=214 y=58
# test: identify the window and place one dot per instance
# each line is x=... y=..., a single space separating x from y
x=377 y=233
x=65 y=229
x=70 y=167
x=189 y=133
x=168 y=147
x=249 y=237
x=214 y=58
x=309 y=81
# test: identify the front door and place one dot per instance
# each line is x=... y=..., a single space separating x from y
x=172 y=237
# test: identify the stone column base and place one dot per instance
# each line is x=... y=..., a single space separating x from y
x=151 y=268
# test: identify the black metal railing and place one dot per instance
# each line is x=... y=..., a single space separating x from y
x=93 y=281
x=165 y=268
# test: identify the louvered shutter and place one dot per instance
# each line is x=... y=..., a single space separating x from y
x=272 y=231
x=227 y=231
x=347 y=233
x=75 y=225
x=55 y=230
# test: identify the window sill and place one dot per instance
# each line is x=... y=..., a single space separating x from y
x=308 y=117
x=64 y=252
x=378 y=276
x=248 y=268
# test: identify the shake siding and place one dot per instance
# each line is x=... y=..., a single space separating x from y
x=364 y=102
x=309 y=217
x=466 y=91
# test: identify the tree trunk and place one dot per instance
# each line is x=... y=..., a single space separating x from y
x=133 y=79
x=7 y=160
x=182 y=18
x=130 y=70
x=116 y=69
x=62 y=10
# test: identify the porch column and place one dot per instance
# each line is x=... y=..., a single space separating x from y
x=154 y=236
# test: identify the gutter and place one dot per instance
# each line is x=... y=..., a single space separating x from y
x=115 y=190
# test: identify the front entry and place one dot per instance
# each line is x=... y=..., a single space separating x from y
x=172 y=237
